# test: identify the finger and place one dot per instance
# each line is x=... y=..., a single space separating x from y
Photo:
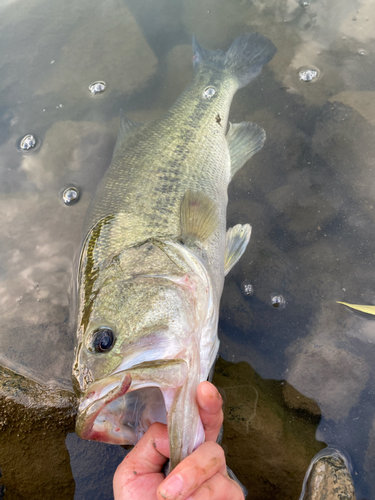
x=218 y=487
x=193 y=471
x=210 y=409
x=141 y=468
x=148 y=455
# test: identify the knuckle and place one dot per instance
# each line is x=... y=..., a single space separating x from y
x=221 y=453
x=124 y=472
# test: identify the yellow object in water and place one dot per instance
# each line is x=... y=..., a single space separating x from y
x=358 y=307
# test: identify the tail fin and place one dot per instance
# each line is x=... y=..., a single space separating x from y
x=244 y=58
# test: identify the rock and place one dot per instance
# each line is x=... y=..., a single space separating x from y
x=64 y=54
x=325 y=368
x=34 y=421
x=40 y=237
x=350 y=154
x=116 y=53
x=369 y=461
x=178 y=74
x=160 y=21
x=40 y=455
x=295 y=401
x=361 y=101
x=357 y=26
x=72 y=152
x=306 y=210
x=329 y=479
x=216 y=22
x=268 y=445
x=311 y=54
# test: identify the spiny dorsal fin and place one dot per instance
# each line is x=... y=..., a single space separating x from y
x=236 y=242
x=127 y=127
x=198 y=216
x=244 y=140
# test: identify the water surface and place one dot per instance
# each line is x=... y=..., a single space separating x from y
x=309 y=194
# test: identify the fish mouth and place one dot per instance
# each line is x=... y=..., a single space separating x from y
x=121 y=407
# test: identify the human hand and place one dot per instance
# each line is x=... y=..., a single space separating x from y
x=201 y=476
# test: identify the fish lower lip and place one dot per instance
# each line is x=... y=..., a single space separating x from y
x=86 y=418
x=119 y=408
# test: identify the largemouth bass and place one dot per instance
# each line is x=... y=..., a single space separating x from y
x=154 y=257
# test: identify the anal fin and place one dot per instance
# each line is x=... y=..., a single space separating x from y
x=236 y=242
x=244 y=140
x=199 y=217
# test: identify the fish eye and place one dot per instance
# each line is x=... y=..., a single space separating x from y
x=209 y=92
x=103 y=339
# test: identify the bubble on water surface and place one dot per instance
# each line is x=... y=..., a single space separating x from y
x=97 y=87
x=361 y=52
x=308 y=74
x=277 y=300
x=70 y=195
x=247 y=288
x=209 y=92
x=305 y=3
x=28 y=142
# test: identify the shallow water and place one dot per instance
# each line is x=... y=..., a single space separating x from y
x=309 y=194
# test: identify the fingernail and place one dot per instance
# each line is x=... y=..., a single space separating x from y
x=210 y=392
x=207 y=389
x=172 y=487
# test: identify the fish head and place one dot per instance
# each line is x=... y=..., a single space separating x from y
x=138 y=345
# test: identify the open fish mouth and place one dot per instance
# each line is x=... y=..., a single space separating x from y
x=120 y=408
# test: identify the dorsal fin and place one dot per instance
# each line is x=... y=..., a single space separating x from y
x=236 y=242
x=244 y=140
x=198 y=216
x=127 y=127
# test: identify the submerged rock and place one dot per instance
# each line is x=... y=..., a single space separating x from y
x=178 y=71
x=350 y=153
x=73 y=151
x=74 y=50
x=361 y=101
x=325 y=367
x=117 y=53
x=40 y=235
x=329 y=479
x=34 y=421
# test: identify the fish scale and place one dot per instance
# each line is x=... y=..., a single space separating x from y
x=154 y=255
x=191 y=159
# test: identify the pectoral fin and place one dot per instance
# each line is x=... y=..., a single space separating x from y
x=236 y=242
x=198 y=216
x=244 y=140
x=127 y=127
